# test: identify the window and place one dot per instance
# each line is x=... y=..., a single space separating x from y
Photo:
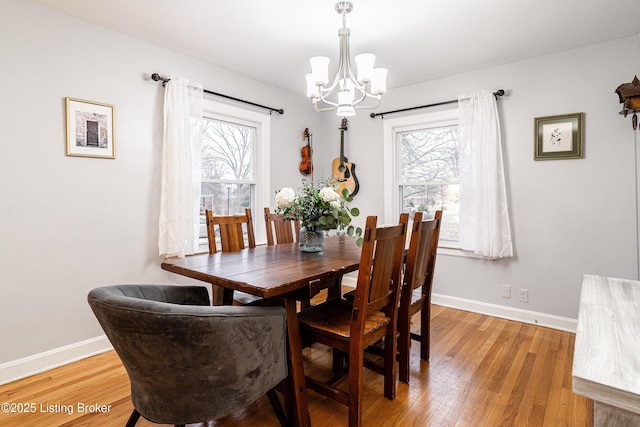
x=421 y=169
x=235 y=163
x=228 y=176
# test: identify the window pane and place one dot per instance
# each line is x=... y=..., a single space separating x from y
x=226 y=199
x=227 y=151
x=223 y=199
x=429 y=155
x=429 y=175
x=429 y=198
x=227 y=164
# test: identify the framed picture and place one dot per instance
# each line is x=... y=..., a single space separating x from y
x=90 y=129
x=558 y=137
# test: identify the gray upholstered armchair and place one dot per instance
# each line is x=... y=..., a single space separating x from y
x=187 y=361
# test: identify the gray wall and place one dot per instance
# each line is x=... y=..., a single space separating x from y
x=70 y=224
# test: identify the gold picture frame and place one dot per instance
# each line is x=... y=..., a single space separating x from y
x=559 y=137
x=90 y=129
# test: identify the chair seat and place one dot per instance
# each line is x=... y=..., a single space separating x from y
x=335 y=316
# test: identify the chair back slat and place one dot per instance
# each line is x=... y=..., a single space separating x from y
x=231 y=231
x=421 y=257
x=284 y=229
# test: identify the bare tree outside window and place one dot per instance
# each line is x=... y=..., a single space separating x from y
x=228 y=176
x=429 y=175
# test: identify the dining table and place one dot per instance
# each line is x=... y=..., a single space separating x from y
x=280 y=274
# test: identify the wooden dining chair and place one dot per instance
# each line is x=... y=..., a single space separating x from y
x=415 y=295
x=232 y=229
x=350 y=328
x=285 y=231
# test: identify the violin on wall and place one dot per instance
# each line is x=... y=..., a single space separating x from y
x=306 y=165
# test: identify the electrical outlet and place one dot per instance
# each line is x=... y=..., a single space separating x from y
x=506 y=291
x=524 y=295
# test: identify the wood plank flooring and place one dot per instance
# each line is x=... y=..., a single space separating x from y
x=483 y=371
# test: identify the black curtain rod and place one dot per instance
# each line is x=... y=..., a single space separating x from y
x=158 y=78
x=497 y=93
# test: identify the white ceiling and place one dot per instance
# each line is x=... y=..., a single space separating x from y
x=416 y=40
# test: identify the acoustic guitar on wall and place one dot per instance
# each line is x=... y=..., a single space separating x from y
x=344 y=171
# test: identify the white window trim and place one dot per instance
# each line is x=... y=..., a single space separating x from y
x=262 y=123
x=390 y=170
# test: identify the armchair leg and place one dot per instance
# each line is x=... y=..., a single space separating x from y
x=277 y=407
x=133 y=419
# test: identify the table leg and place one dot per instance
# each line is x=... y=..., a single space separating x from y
x=299 y=410
x=334 y=291
x=221 y=296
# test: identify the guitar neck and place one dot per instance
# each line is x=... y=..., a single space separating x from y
x=341 y=147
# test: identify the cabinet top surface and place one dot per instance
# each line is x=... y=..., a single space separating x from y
x=606 y=361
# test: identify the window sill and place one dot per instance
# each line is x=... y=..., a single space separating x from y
x=203 y=248
x=457 y=252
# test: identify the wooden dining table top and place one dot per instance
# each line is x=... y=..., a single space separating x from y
x=269 y=271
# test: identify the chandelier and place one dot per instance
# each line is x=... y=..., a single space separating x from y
x=351 y=90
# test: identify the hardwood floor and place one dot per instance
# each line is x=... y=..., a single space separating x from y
x=483 y=371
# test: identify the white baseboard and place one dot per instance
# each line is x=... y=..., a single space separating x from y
x=525 y=316
x=27 y=366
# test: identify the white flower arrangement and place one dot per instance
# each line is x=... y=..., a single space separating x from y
x=319 y=208
x=285 y=198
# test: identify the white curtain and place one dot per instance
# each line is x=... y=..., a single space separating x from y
x=181 y=168
x=484 y=215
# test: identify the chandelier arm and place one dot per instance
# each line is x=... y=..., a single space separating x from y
x=323 y=109
x=374 y=96
x=345 y=53
x=356 y=83
x=368 y=107
x=328 y=102
x=328 y=89
x=359 y=100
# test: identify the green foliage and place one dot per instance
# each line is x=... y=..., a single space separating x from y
x=321 y=207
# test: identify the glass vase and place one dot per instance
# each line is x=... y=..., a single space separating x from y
x=311 y=240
